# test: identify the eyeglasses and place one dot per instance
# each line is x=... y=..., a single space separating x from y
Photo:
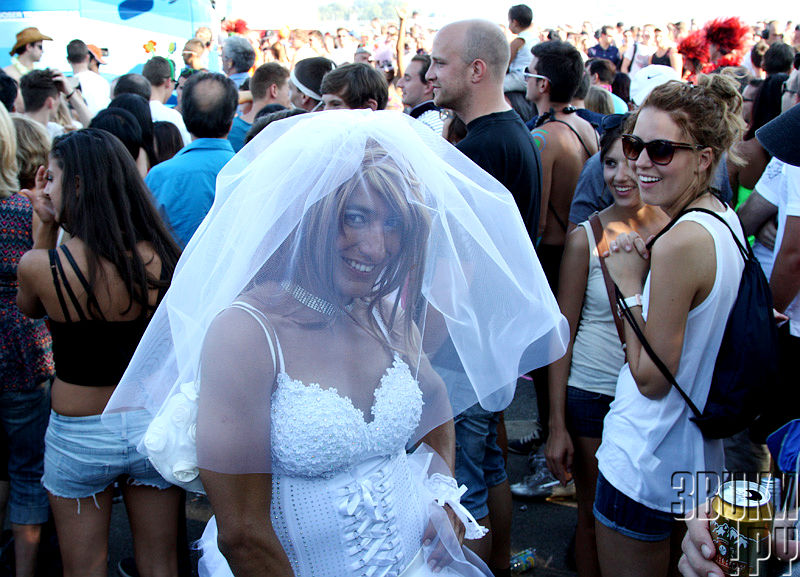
x=659 y=151
x=446 y=114
x=785 y=88
x=529 y=75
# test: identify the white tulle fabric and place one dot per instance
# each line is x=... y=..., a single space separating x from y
x=481 y=290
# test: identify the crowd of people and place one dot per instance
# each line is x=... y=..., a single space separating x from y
x=318 y=319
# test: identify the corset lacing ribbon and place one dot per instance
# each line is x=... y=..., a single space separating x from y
x=371 y=534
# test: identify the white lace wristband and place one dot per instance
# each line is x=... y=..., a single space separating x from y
x=447 y=492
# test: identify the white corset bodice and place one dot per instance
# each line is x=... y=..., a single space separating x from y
x=346 y=499
x=316 y=432
x=366 y=521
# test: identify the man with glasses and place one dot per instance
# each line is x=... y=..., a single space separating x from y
x=27 y=51
x=565 y=142
x=158 y=71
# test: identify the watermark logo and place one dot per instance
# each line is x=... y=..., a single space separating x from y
x=751 y=534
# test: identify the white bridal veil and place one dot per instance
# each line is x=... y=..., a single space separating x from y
x=466 y=273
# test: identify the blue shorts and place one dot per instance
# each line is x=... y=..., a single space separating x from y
x=83 y=457
x=479 y=460
x=585 y=412
x=622 y=514
x=24 y=420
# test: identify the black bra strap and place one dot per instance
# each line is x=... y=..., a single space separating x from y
x=68 y=288
x=53 y=257
x=78 y=273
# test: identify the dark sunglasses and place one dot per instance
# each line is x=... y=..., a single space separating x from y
x=659 y=151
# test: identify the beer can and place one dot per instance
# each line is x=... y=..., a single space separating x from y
x=741 y=521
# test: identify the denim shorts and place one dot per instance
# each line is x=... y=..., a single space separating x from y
x=83 y=457
x=585 y=412
x=24 y=420
x=622 y=514
x=479 y=460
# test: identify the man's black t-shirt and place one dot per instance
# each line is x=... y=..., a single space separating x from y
x=502 y=145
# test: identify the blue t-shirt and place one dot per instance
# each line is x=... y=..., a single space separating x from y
x=238 y=131
x=183 y=187
x=611 y=53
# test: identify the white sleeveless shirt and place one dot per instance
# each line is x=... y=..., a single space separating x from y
x=650 y=446
x=523 y=56
x=597 y=354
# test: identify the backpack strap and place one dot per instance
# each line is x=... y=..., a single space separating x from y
x=551 y=117
x=546 y=119
x=602 y=246
x=745 y=252
x=626 y=312
x=263 y=322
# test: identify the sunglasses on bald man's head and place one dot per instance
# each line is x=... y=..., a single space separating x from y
x=659 y=151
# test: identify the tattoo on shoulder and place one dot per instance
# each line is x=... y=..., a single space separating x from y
x=539 y=138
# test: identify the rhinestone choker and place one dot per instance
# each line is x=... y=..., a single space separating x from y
x=312 y=301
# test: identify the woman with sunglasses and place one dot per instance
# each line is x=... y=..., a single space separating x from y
x=582 y=382
x=679 y=291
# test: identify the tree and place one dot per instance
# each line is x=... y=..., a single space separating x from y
x=334 y=11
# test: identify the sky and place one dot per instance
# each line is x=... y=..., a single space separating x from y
x=302 y=13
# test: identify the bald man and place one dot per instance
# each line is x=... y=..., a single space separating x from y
x=183 y=187
x=468 y=64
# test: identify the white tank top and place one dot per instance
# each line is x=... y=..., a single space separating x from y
x=524 y=56
x=648 y=443
x=597 y=354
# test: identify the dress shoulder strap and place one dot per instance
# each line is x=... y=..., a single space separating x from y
x=378 y=319
x=263 y=321
x=588 y=228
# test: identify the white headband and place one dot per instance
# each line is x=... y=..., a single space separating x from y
x=303 y=88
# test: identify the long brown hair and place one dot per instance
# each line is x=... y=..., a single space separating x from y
x=111 y=213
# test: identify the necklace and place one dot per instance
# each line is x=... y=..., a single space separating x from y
x=312 y=301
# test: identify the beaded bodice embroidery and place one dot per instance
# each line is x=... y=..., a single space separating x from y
x=317 y=432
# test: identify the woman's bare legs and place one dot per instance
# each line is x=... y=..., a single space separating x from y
x=584 y=472
x=153 y=515
x=622 y=556
x=83 y=538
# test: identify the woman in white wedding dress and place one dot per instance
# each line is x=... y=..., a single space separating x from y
x=342 y=248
